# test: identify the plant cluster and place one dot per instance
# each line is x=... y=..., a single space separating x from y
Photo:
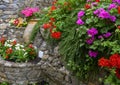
x=113 y=65
x=86 y=31
x=30 y=11
x=18 y=22
x=12 y=51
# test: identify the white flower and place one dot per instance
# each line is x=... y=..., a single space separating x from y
x=22 y=46
x=17 y=48
x=25 y=53
x=7 y=44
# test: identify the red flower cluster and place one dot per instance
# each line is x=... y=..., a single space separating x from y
x=117 y=73
x=112 y=62
x=97 y=0
x=53 y=8
x=46 y=26
x=16 y=22
x=118 y=27
x=87 y=6
x=2 y=40
x=14 y=42
x=118 y=9
x=51 y=23
x=9 y=51
x=56 y=35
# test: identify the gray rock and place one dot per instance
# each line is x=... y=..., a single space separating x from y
x=9 y=12
x=13 y=6
x=7 y=1
x=1 y=12
x=3 y=7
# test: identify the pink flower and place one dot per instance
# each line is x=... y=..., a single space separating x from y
x=79 y=22
x=27 y=12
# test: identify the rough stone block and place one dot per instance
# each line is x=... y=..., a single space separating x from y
x=28 y=31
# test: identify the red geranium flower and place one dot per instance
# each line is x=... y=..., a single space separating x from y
x=30 y=46
x=16 y=22
x=103 y=62
x=52 y=19
x=46 y=26
x=117 y=73
x=87 y=6
x=113 y=60
x=118 y=9
x=56 y=35
x=118 y=63
x=118 y=27
x=2 y=40
x=97 y=0
x=14 y=42
x=9 y=51
x=53 y=8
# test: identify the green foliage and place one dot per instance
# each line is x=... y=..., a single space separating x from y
x=12 y=51
x=4 y=83
x=35 y=31
x=111 y=79
x=73 y=46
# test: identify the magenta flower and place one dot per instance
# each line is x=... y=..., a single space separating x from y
x=104 y=14
x=93 y=53
x=111 y=6
x=36 y=9
x=112 y=18
x=79 y=22
x=97 y=11
x=80 y=14
x=117 y=1
x=106 y=35
x=92 y=31
x=100 y=37
x=90 y=40
x=27 y=12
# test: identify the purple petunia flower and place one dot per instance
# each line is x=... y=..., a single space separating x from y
x=79 y=22
x=81 y=13
x=117 y=1
x=92 y=31
x=113 y=0
x=106 y=35
x=104 y=14
x=112 y=18
x=90 y=40
x=96 y=12
x=93 y=53
x=111 y=6
x=100 y=37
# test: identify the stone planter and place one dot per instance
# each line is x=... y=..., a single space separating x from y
x=20 y=73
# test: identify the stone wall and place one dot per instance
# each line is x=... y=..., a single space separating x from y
x=11 y=8
x=50 y=68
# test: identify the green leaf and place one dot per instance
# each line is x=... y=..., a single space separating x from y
x=117 y=22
